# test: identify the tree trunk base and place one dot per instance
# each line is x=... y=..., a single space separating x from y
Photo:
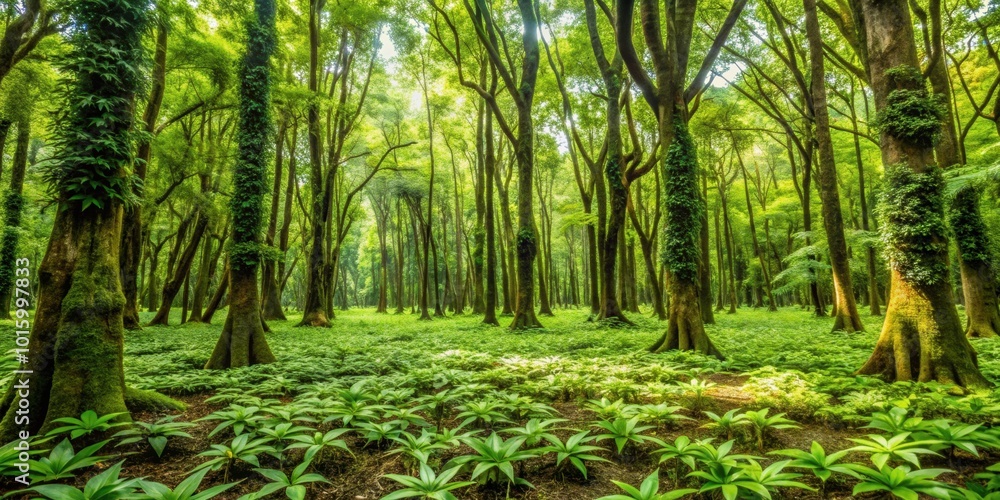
x=77 y=338
x=847 y=323
x=130 y=320
x=685 y=330
x=922 y=339
x=315 y=318
x=242 y=342
x=525 y=320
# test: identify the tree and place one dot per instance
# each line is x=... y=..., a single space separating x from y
x=668 y=99
x=242 y=341
x=845 y=307
x=13 y=211
x=922 y=338
x=77 y=337
x=975 y=261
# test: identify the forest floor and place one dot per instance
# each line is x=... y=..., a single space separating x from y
x=787 y=361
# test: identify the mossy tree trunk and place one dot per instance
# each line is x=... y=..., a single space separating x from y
x=845 y=307
x=242 y=341
x=76 y=340
x=976 y=263
x=13 y=212
x=685 y=326
x=922 y=337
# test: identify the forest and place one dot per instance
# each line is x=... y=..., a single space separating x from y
x=499 y=249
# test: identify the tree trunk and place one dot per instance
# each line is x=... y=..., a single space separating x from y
x=201 y=284
x=489 y=165
x=220 y=292
x=976 y=263
x=922 y=338
x=183 y=266
x=242 y=341
x=685 y=329
x=705 y=269
x=315 y=310
x=845 y=307
x=131 y=245
x=270 y=293
x=13 y=211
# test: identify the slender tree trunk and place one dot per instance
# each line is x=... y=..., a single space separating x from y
x=184 y=261
x=270 y=294
x=315 y=311
x=13 y=212
x=705 y=269
x=220 y=292
x=490 y=306
x=131 y=245
x=975 y=258
x=847 y=318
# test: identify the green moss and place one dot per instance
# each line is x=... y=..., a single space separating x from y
x=526 y=242
x=683 y=206
x=138 y=400
x=971 y=233
x=254 y=137
x=911 y=113
x=911 y=207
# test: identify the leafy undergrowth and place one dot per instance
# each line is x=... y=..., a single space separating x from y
x=385 y=406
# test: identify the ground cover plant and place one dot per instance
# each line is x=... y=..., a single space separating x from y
x=381 y=406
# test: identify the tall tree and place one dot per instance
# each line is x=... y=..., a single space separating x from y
x=242 y=341
x=922 y=338
x=845 y=306
x=77 y=338
x=668 y=99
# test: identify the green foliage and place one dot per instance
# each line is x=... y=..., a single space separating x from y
x=971 y=233
x=495 y=458
x=63 y=462
x=574 y=450
x=105 y=486
x=95 y=136
x=911 y=113
x=911 y=209
x=901 y=482
x=429 y=485
x=294 y=485
x=683 y=205
x=623 y=432
x=762 y=425
x=648 y=490
x=728 y=424
x=186 y=489
x=897 y=447
x=88 y=423
x=818 y=462
x=156 y=433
